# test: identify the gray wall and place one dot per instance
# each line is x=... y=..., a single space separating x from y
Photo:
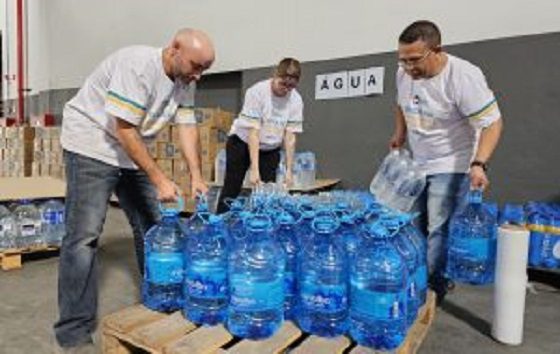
x=350 y=136
x=220 y=90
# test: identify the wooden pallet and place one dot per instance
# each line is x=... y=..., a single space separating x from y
x=12 y=258
x=138 y=329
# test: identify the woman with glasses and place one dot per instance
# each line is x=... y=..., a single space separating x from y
x=452 y=123
x=271 y=116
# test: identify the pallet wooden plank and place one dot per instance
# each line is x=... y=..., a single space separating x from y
x=418 y=331
x=13 y=258
x=16 y=188
x=286 y=335
x=10 y=261
x=315 y=344
x=129 y=318
x=161 y=332
x=137 y=327
x=112 y=345
x=200 y=341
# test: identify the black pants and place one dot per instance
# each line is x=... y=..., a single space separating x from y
x=238 y=161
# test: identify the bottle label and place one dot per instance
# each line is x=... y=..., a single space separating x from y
x=477 y=248
x=5 y=229
x=421 y=277
x=378 y=304
x=551 y=246
x=207 y=280
x=556 y=249
x=256 y=296
x=53 y=217
x=28 y=230
x=165 y=268
x=325 y=298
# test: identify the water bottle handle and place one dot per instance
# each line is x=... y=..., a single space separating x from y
x=171 y=210
x=475 y=194
x=229 y=201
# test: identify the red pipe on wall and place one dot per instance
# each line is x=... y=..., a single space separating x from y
x=20 y=64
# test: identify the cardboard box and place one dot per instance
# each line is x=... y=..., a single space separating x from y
x=164 y=135
x=57 y=170
x=204 y=115
x=223 y=120
x=207 y=171
x=37 y=144
x=20 y=133
x=35 y=169
x=185 y=185
x=166 y=166
x=175 y=134
x=31 y=188
x=47 y=133
x=180 y=168
x=167 y=150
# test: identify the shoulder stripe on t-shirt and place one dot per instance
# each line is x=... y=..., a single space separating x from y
x=484 y=110
x=250 y=117
x=125 y=103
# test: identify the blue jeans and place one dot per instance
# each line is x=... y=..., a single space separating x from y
x=90 y=184
x=443 y=195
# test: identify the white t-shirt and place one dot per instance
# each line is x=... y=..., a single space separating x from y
x=270 y=114
x=129 y=84
x=444 y=115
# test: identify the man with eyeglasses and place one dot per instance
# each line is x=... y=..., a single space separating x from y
x=452 y=123
x=271 y=116
x=122 y=105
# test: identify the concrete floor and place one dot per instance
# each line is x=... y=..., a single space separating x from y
x=28 y=305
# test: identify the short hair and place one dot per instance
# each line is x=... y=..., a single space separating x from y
x=288 y=67
x=425 y=31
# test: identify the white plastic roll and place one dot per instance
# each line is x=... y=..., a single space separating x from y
x=510 y=284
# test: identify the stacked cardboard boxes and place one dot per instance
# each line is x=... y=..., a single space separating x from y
x=16 y=151
x=213 y=127
x=47 y=153
x=167 y=154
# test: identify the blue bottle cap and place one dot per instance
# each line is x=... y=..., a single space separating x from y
x=258 y=222
x=324 y=223
x=378 y=231
x=475 y=196
x=215 y=219
x=285 y=218
x=170 y=210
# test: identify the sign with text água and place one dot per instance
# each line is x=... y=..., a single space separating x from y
x=355 y=83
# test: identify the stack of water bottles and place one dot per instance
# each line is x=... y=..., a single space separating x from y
x=399 y=181
x=543 y=221
x=304 y=169
x=337 y=263
x=25 y=225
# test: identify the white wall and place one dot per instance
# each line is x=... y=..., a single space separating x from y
x=38 y=53
x=254 y=33
x=8 y=28
x=36 y=48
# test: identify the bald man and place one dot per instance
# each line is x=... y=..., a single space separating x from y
x=123 y=104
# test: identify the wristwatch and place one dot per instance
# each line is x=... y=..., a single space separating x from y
x=484 y=165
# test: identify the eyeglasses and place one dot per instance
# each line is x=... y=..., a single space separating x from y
x=412 y=62
x=289 y=81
